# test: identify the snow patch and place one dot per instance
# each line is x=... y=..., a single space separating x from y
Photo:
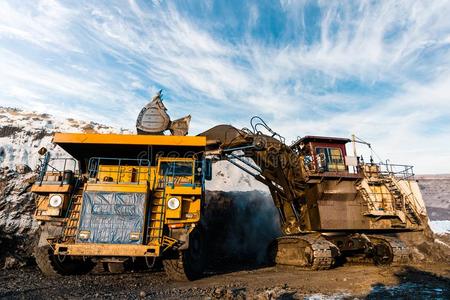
x=440 y=227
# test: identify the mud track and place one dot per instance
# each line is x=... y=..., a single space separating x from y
x=414 y=281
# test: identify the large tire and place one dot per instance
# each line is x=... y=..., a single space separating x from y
x=52 y=265
x=188 y=264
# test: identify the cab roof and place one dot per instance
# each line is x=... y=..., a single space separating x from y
x=322 y=139
x=85 y=145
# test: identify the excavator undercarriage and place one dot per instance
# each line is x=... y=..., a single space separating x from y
x=332 y=207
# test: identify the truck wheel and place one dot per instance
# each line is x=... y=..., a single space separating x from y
x=52 y=265
x=187 y=264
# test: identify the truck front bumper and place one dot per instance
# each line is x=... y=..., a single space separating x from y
x=88 y=249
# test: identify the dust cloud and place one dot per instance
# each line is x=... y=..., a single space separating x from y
x=240 y=226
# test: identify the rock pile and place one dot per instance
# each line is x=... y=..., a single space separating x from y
x=17 y=227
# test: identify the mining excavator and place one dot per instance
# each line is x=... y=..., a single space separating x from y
x=332 y=206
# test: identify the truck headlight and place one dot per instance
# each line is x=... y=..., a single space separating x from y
x=84 y=234
x=55 y=200
x=173 y=203
x=135 y=236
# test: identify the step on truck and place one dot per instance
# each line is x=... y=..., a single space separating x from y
x=120 y=198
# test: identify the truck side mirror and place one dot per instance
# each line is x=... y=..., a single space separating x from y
x=208 y=169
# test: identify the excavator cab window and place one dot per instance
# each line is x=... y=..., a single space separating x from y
x=330 y=159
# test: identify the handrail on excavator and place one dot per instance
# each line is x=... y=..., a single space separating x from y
x=261 y=122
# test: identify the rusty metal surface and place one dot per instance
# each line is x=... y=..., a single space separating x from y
x=310 y=251
x=153 y=118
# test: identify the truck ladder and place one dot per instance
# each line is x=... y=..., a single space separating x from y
x=157 y=213
x=72 y=218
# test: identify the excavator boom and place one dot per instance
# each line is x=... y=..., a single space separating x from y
x=274 y=164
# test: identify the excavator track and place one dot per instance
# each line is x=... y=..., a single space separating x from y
x=309 y=252
x=389 y=250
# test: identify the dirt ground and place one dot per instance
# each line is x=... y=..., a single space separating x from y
x=235 y=270
x=354 y=281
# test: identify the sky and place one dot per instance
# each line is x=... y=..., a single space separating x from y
x=377 y=69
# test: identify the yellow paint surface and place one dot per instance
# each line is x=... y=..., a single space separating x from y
x=128 y=139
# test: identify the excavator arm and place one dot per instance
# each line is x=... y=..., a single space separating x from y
x=274 y=164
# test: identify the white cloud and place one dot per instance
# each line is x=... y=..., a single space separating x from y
x=102 y=61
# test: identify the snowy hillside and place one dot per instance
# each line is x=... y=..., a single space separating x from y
x=22 y=134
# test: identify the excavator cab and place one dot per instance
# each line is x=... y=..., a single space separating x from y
x=323 y=154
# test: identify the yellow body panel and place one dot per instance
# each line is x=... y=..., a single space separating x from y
x=112 y=173
x=134 y=179
x=105 y=187
x=128 y=139
x=184 y=190
x=190 y=207
x=190 y=204
x=51 y=188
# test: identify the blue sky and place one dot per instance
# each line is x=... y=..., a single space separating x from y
x=376 y=69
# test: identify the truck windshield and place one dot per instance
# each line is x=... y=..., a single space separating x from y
x=176 y=168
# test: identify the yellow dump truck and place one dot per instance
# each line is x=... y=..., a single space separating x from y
x=118 y=198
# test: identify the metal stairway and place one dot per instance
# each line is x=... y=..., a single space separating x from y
x=366 y=197
x=157 y=210
x=410 y=211
x=72 y=218
x=399 y=202
x=402 y=201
